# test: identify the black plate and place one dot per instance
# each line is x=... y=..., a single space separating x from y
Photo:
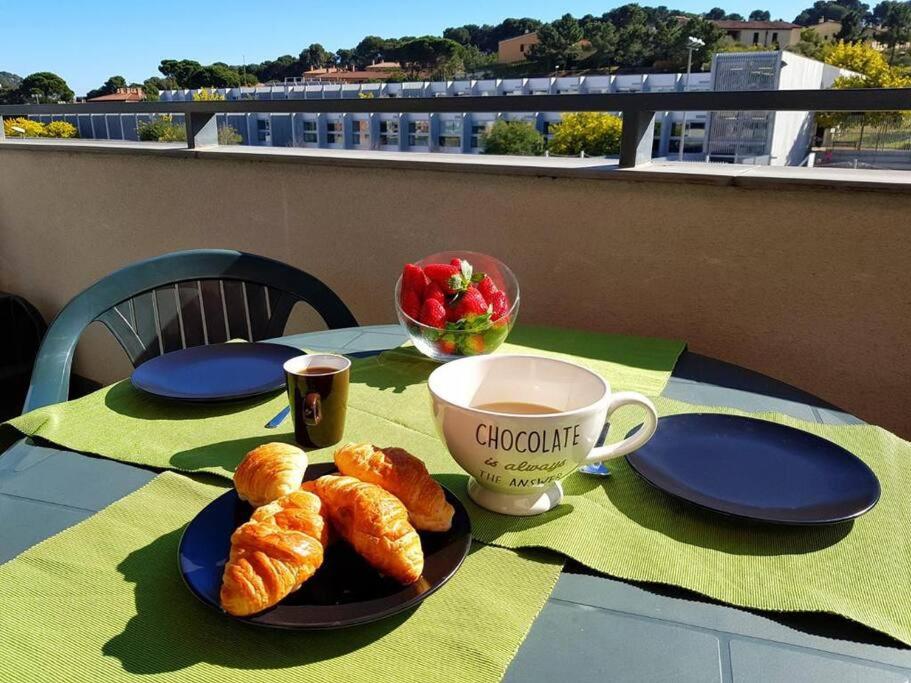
x=345 y=591
x=218 y=372
x=755 y=469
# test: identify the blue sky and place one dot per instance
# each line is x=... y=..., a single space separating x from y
x=87 y=41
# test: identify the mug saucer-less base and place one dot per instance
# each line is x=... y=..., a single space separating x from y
x=516 y=505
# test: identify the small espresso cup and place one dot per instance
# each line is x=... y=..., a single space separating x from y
x=318 y=395
x=520 y=424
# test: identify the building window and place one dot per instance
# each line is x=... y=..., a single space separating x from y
x=775 y=38
x=335 y=133
x=756 y=38
x=522 y=48
x=450 y=134
x=263 y=130
x=360 y=133
x=418 y=133
x=389 y=133
x=310 y=135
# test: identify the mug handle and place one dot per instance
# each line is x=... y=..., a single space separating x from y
x=313 y=409
x=630 y=443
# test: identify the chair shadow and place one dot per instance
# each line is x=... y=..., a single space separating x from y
x=224 y=454
x=125 y=399
x=396 y=369
x=626 y=350
x=171 y=630
x=684 y=522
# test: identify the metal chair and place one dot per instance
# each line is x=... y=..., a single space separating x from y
x=178 y=300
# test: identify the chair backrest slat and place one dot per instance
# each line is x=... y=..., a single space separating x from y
x=146 y=327
x=168 y=318
x=258 y=308
x=214 y=311
x=179 y=300
x=191 y=313
x=236 y=309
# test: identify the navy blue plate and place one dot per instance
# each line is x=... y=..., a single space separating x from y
x=755 y=469
x=345 y=591
x=218 y=372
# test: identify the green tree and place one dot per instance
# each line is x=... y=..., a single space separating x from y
x=591 y=133
x=895 y=20
x=810 y=44
x=314 y=57
x=425 y=54
x=558 y=43
x=474 y=60
x=604 y=40
x=760 y=15
x=715 y=14
x=228 y=135
x=460 y=34
x=181 y=71
x=9 y=81
x=109 y=88
x=344 y=58
x=513 y=137
x=832 y=10
x=43 y=87
x=150 y=89
x=60 y=129
x=162 y=129
x=852 y=27
x=370 y=50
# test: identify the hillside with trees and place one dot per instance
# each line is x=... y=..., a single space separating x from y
x=628 y=38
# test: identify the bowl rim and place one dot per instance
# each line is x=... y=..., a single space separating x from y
x=508 y=271
x=494 y=358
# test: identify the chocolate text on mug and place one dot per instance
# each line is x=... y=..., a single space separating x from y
x=523 y=474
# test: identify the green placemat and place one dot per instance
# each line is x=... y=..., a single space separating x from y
x=621 y=526
x=122 y=423
x=104 y=599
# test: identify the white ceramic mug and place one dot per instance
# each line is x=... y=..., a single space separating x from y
x=517 y=460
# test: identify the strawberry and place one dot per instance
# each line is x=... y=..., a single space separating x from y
x=433 y=314
x=446 y=346
x=472 y=345
x=413 y=278
x=411 y=304
x=469 y=305
x=457 y=262
x=487 y=289
x=499 y=303
x=433 y=291
x=447 y=277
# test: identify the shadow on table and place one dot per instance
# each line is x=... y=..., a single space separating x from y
x=171 y=630
x=639 y=352
x=223 y=454
x=684 y=522
x=125 y=399
x=396 y=369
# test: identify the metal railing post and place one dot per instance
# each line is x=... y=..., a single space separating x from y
x=2 y=129
x=636 y=138
x=202 y=129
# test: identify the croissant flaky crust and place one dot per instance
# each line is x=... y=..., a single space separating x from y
x=375 y=523
x=273 y=554
x=269 y=472
x=404 y=476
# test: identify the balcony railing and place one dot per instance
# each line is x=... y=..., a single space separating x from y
x=637 y=109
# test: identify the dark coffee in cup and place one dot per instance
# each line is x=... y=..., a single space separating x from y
x=318 y=396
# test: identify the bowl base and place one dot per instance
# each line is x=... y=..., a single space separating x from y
x=518 y=506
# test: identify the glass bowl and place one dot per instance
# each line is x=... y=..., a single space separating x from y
x=447 y=344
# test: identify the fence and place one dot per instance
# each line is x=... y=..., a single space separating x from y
x=637 y=109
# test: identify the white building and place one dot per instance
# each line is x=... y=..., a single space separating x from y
x=781 y=138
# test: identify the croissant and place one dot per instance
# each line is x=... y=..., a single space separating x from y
x=269 y=472
x=375 y=523
x=273 y=554
x=404 y=476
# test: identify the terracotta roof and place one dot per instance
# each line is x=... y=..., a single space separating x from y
x=729 y=25
x=118 y=97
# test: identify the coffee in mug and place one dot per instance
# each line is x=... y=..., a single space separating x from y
x=318 y=396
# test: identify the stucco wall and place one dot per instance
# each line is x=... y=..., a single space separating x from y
x=810 y=286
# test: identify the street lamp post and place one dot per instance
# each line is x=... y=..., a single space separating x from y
x=691 y=44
